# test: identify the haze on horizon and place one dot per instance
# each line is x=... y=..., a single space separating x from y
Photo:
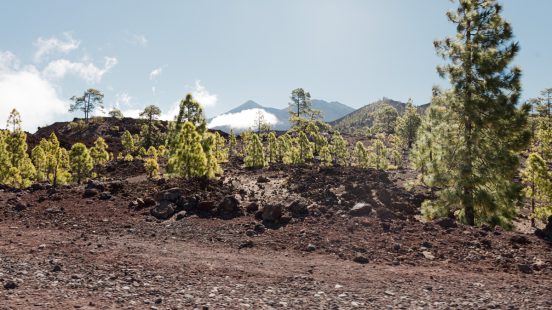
x=228 y=52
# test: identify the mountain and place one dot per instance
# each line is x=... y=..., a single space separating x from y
x=331 y=110
x=364 y=117
x=244 y=115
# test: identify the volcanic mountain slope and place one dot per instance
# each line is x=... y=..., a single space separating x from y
x=364 y=117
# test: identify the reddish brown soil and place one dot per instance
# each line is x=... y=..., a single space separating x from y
x=68 y=252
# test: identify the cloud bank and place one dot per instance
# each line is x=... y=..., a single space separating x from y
x=242 y=120
x=33 y=90
x=87 y=71
x=32 y=95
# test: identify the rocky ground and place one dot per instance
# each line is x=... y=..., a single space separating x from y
x=280 y=238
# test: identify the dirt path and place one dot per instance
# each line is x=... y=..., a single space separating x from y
x=123 y=271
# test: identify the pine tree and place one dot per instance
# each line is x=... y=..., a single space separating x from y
x=488 y=128
x=325 y=156
x=407 y=125
x=284 y=149
x=152 y=167
x=220 y=150
x=209 y=144
x=99 y=153
x=20 y=169
x=232 y=143
x=14 y=121
x=189 y=111
x=397 y=159
x=272 y=148
x=254 y=153
x=385 y=118
x=300 y=108
x=127 y=142
x=338 y=150
x=305 y=148
x=38 y=157
x=116 y=113
x=189 y=159
x=360 y=156
x=152 y=152
x=151 y=113
x=56 y=168
x=538 y=186
x=87 y=103
x=378 y=155
x=81 y=162
x=4 y=155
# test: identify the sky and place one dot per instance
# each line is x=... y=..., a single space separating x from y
x=227 y=52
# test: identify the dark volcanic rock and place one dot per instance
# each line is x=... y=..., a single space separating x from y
x=164 y=210
x=298 y=209
x=95 y=184
x=10 y=285
x=105 y=196
x=361 y=259
x=272 y=213
x=172 y=195
x=446 y=222
x=252 y=207
x=229 y=204
x=361 y=209
x=90 y=192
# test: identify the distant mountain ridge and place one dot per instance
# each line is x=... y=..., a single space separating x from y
x=330 y=112
x=363 y=117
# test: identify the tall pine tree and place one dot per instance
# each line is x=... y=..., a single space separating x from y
x=489 y=130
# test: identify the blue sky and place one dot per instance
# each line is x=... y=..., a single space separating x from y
x=227 y=52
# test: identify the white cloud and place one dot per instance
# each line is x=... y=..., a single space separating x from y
x=55 y=45
x=122 y=99
x=155 y=73
x=139 y=39
x=8 y=61
x=202 y=96
x=33 y=96
x=87 y=71
x=243 y=119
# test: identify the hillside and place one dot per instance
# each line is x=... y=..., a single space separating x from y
x=364 y=117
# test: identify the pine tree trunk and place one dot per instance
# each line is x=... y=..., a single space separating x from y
x=466 y=175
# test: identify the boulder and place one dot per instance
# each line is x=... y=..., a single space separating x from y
x=361 y=209
x=262 y=179
x=105 y=195
x=525 y=268
x=252 y=207
x=361 y=259
x=187 y=203
x=206 y=205
x=172 y=195
x=446 y=223
x=95 y=184
x=163 y=211
x=149 y=202
x=229 y=204
x=272 y=213
x=90 y=192
x=116 y=187
x=298 y=209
